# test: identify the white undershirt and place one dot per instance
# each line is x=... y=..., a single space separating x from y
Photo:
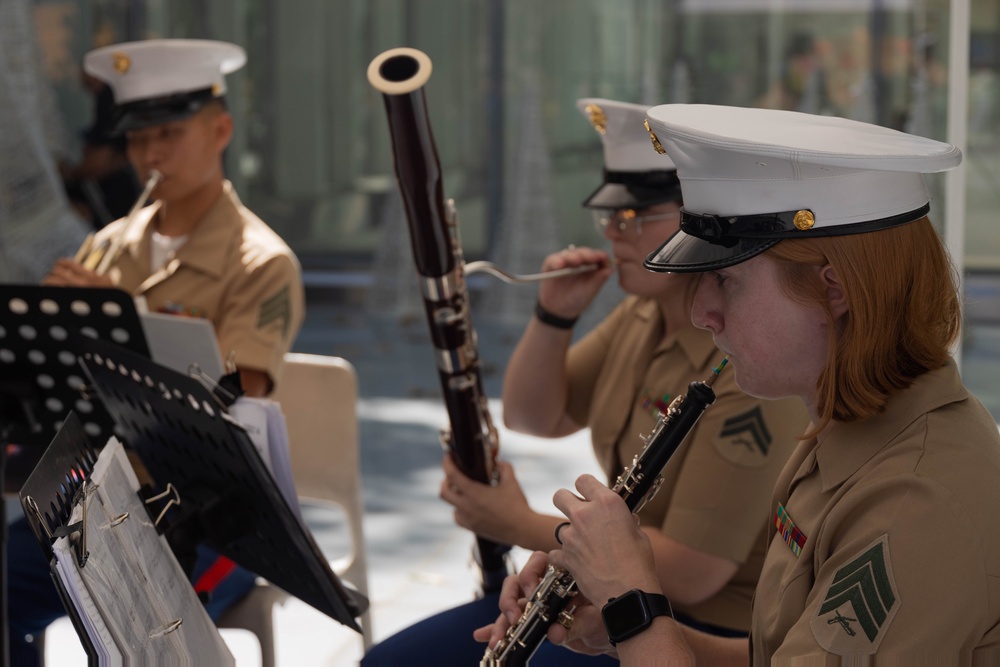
x=163 y=248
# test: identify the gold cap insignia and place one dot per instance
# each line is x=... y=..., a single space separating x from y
x=597 y=118
x=804 y=220
x=121 y=61
x=652 y=135
x=216 y=89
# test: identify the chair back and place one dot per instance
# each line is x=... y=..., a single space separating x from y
x=318 y=396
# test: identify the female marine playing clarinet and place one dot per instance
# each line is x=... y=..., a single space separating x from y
x=823 y=279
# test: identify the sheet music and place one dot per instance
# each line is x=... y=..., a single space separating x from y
x=132 y=592
x=264 y=422
x=68 y=573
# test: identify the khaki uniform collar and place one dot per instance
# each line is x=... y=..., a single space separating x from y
x=848 y=447
x=696 y=344
x=216 y=229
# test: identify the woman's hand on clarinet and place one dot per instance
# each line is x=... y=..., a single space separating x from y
x=67 y=273
x=586 y=633
x=603 y=547
x=498 y=512
x=569 y=296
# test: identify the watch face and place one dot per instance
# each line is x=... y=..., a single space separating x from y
x=626 y=615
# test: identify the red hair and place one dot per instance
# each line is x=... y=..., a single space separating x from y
x=903 y=312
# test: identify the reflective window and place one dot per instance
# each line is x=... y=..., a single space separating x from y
x=312 y=155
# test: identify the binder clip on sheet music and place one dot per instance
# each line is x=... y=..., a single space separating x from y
x=176 y=424
x=189 y=345
x=123 y=587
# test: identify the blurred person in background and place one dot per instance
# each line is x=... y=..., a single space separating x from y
x=103 y=186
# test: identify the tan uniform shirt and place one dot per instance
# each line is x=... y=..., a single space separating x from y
x=717 y=486
x=233 y=270
x=898 y=519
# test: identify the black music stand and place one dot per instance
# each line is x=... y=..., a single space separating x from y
x=184 y=436
x=40 y=379
x=114 y=572
x=48 y=496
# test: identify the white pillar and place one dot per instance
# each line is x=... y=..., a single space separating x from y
x=958 y=120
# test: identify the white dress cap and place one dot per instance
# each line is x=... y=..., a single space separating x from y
x=751 y=177
x=634 y=176
x=164 y=79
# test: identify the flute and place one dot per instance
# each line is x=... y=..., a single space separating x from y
x=99 y=259
x=549 y=603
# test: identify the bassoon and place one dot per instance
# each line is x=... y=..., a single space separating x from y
x=400 y=75
x=550 y=601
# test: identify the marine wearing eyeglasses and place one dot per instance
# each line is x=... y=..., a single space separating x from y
x=628 y=221
x=615 y=381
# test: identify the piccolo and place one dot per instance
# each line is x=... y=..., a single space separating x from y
x=99 y=259
x=550 y=601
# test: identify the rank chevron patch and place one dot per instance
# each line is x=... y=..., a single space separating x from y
x=744 y=439
x=860 y=603
x=276 y=309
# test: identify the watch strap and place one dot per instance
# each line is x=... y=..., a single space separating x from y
x=655 y=604
x=659 y=605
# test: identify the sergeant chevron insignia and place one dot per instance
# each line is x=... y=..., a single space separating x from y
x=744 y=439
x=276 y=309
x=860 y=603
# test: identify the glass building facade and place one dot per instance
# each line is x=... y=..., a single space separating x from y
x=312 y=156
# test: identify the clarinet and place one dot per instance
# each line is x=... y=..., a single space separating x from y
x=400 y=75
x=638 y=483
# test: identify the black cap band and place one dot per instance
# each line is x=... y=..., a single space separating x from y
x=658 y=180
x=729 y=230
x=143 y=113
x=635 y=189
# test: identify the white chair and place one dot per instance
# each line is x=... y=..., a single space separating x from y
x=318 y=396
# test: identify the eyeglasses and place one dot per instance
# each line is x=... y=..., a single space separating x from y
x=624 y=219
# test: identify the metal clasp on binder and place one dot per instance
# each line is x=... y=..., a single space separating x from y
x=77 y=531
x=223 y=396
x=175 y=500
x=166 y=628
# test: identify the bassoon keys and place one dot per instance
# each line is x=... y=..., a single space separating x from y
x=400 y=74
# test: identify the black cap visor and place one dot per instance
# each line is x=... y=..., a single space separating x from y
x=145 y=113
x=626 y=189
x=684 y=253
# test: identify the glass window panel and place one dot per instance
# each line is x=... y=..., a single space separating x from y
x=312 y=154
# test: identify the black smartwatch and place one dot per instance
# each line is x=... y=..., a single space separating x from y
x=629 y=614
